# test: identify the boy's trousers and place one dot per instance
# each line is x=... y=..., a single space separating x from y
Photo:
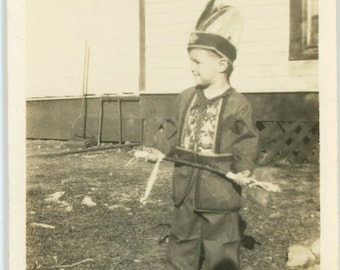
x=215 y=236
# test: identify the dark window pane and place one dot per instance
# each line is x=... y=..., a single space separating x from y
x=304 y=29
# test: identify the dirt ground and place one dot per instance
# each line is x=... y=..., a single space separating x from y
x=120 y=233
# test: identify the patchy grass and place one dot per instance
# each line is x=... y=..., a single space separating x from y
x=120 y=233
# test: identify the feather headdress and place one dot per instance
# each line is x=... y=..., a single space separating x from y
x=219 y=29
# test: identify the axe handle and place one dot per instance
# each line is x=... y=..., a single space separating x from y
x=229 y=176
x=196 y=165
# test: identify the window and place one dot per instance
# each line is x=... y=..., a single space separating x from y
x=304 y=29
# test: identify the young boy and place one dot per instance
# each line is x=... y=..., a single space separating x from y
x=214 y=127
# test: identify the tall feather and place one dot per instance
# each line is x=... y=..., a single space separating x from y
x=205 y=14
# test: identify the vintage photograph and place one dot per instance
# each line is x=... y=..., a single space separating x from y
x=180 y=134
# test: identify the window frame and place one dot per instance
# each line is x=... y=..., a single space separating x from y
x=298 y=47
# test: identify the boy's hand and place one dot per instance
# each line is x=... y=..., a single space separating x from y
x=154 y=155
x=240 y=178
x=149 y=154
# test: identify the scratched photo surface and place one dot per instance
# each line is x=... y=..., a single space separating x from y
x=102 y=78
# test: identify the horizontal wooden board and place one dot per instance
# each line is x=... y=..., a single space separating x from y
x=280 y=33
x=289 y=69
x=265 y=23
x=282 y=84
x=248 y=10
x=241 y=3
x=265 y=10
x=285 y=106
x=174 y=7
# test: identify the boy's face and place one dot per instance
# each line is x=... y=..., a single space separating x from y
x=205 y=66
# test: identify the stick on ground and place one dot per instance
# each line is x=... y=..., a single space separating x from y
x=74 y=264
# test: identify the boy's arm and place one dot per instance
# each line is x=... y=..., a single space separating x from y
x=165 y=138
x=245 y=146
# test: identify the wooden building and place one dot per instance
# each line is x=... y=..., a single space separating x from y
x=140 y=48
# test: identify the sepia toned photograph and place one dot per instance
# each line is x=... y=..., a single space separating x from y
x=180 y=134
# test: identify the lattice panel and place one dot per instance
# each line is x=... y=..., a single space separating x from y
x=294 y=142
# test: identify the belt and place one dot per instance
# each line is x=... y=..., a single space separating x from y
x=199 y=157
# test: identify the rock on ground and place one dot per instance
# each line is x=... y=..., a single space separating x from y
x=299 y=256
x=88 y=201
x=54 y=198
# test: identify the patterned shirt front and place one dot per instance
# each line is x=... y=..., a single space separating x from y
x=200 y=125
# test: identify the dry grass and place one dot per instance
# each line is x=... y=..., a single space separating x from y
x=120 y=233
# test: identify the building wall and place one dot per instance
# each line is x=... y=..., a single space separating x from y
x=141 y=115
x=287 y=122
x=262 y=64
x=168 y=25
x=56 y=33
x=58 y=29
x=283 y=93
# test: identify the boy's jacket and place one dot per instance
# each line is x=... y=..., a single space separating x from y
x=236 y=146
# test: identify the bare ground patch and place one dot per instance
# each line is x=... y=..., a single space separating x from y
x=120 y=233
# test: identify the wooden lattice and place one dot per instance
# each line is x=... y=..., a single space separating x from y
x=294 y=142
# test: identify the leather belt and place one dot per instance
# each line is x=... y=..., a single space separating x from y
x=202 y=158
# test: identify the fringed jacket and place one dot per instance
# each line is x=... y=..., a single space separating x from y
x=218 y=132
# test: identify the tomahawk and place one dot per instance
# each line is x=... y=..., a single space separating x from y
x=230 y=176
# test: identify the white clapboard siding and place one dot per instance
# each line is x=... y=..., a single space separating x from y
x=277 y=70
x=260 y=35
x=289 y=84
x=56 y=32
x=263 y=55
x=270 y=48
x=257 y=3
